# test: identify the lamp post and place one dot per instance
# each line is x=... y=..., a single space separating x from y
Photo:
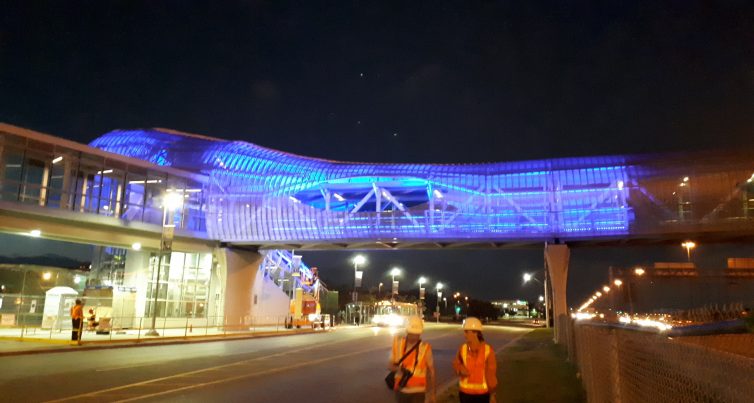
x=422 y=280
x=379 y=290
x=170 y=202
x=357 y=275
x=528 y=277
x=395 y=272
x=438 y=287
x=688 y=245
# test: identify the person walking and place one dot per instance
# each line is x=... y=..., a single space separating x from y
x=412 y=360
x=77 y=321
x=476 y=366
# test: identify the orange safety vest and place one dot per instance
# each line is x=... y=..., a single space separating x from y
x=77 y=312
x=418 y=382
x=476 y=382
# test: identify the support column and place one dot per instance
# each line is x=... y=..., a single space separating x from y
x=240 y=273
x=557 y=257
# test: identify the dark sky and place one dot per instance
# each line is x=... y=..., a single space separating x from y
x=463 y=81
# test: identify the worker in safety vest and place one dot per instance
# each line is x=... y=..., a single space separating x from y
x=77 y=321
x=475 y=365
x=412 y=359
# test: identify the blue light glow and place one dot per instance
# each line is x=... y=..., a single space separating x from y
x=263 y=195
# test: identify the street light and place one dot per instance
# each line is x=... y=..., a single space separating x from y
x=357 y=260
x=422 y=280
x=171 y=201
x=528 y=277
x=688 y=245
x=438 y=287
x=379 y=290
x=395 y=272
x=639 y=271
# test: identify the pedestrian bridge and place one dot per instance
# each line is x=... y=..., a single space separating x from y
x=269 y=198
x=243 y=197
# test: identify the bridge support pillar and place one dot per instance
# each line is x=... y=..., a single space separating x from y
x=240 y=273
x=556 y=259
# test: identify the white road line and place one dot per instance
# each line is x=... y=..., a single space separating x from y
x=230 y=379
x=253 y=374
x=199 y=371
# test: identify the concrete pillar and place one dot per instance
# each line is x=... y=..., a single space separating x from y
x=557 y=257
x=240 y=273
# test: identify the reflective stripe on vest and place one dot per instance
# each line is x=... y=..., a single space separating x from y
x=476 y=382
x=418 y=382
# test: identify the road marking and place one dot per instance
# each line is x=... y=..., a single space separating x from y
x=153 y=382
x=204 y=370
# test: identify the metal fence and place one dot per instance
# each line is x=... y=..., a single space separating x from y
x=620 y=365
x=38 y=317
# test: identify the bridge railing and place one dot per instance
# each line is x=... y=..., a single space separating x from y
x=622 y=365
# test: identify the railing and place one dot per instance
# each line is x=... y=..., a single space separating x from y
x=25 y=317
x=620 y=365
x=27 y=327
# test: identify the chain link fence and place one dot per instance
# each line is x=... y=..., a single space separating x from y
x=620 y=365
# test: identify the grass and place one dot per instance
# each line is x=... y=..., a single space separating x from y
x=533 y=369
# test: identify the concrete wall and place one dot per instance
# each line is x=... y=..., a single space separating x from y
x=270 y=304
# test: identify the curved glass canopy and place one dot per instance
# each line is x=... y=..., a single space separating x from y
x=260 y=196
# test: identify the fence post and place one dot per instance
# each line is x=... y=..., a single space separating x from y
x=615 y=367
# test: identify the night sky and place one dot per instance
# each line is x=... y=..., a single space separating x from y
x=379 y=81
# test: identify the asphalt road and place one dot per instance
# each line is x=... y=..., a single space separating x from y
x=345 y=365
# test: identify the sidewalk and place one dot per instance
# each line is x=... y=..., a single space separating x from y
x=532 y=369
x=52 y=342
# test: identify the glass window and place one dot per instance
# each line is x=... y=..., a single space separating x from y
x=154 y=189
x=88 y=183
x=133 y=200
x=184 y=285
x=12 y=170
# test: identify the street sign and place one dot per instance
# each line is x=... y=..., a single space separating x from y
x=168 y=232
x=8 y=319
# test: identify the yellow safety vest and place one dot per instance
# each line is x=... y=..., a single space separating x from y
x=476 y=382
x=418 y=382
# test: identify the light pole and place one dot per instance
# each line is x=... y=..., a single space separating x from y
x=379 y=291
x=439 y=295
x=357 y=275
x=422 y=280
x=528 y=277
x=688 y=245
x=395 y=272
x=170 y=202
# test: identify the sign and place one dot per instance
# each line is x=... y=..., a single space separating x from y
x=395 y=287
x=8 y=319
x=168 y=232
x=421 y=293
x=359 y=275
x=436 y=315
x=33 y=307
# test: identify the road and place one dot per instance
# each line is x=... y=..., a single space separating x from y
x=345 y=365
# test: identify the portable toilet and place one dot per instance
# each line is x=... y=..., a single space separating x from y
x=57 y=310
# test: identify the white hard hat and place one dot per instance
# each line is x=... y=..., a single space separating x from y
x=472 y=323
x=414 y=325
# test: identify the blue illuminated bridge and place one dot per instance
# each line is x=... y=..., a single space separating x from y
x=272 y=199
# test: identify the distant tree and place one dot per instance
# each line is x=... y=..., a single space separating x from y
x=482 y=309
